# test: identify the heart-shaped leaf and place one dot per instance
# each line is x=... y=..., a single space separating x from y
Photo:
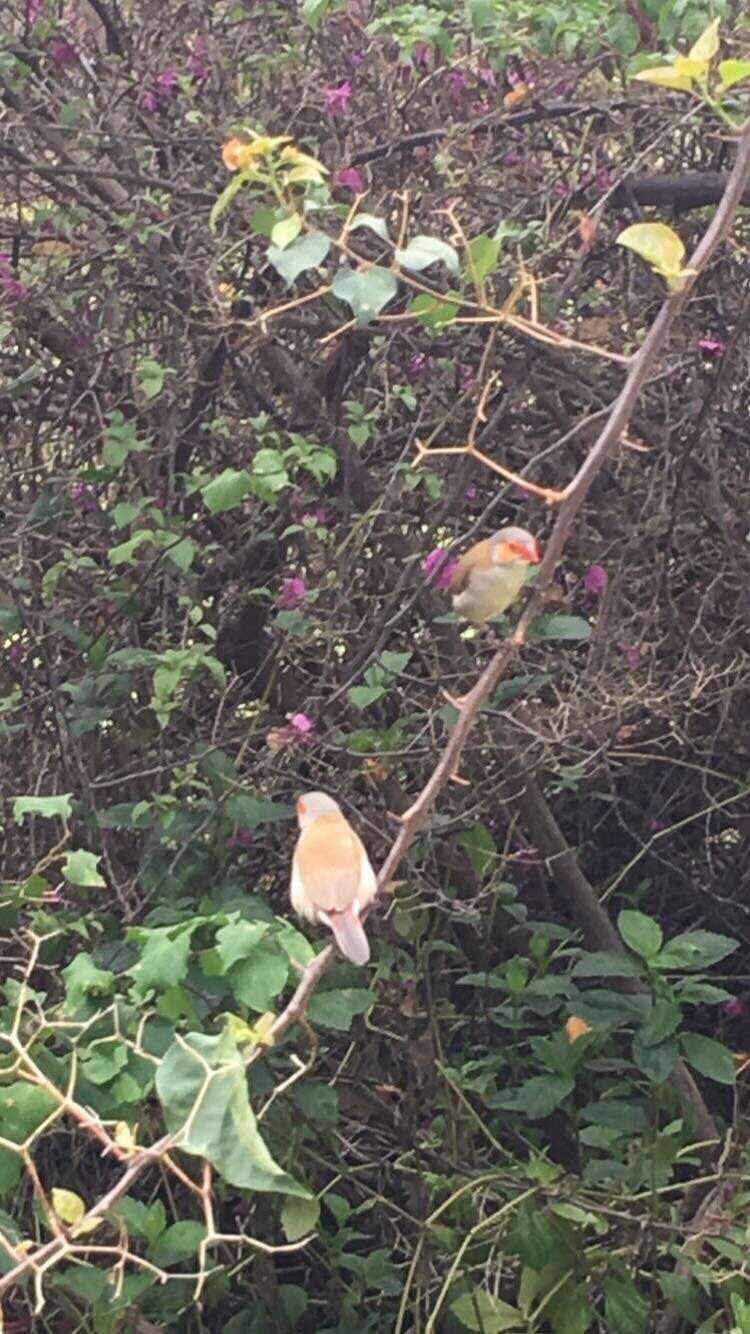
x=366 y=291
x=307 y=252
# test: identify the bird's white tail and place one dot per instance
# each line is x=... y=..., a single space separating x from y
x=350 y=935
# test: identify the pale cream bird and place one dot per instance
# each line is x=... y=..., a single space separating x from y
x=491 y=574
x=332 y=879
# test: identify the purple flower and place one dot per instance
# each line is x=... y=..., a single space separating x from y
x=314 y=519
x=150 y=100
x=166 y=80
x=604 y=180
x=349 y=178
x=358 y=58
x=241 y=838
x=561 y=88
x=655 y=825
x=336 y=99
x=417 y=365
x=13 y=290
x=560 y=189
x=512 y=158
x=197 y=63
x=735 y=1007
x=632 y=654
x=292 y=592
x=83 y=497
x=301 y=723
x=471 y=493
x=421 y=53
x=456 y=80
x=488 y=76
x=33 y=10
x=62 y=52
x=466 y=377
x=714 y=346
x=595 y=580
x=438 y=568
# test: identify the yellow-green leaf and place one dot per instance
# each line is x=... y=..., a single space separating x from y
x=692 y=69
x=286 y=231
x=67 y=1205
x=299 y=1217
x=71 y=1209
x=665 y=76
x=732 y=71
x=707 y=44
x=657 y=244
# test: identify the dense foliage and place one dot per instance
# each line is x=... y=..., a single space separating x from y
x=257 y=261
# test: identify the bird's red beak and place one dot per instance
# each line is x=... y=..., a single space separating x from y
x=528 y=551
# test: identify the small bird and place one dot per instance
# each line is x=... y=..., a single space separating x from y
x=332 y=879
x=490 y=576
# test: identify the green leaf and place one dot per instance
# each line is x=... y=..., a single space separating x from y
x=695 y=949
x=607 y=963
x=202 y=1085
x=164 y=960
x=625 y=1309
x=362 y=696
x=239 y=940
x=23 y=1109
x=733 y=71
x=684 y=1293
x=537 y=1097
x=151 y=376
x=48 y=807
x=237 y=183
x=336 y=1009
x=82 y=868
x=482 y=256
x=140 y=1219
x=480 y=1310
x=257 y=981
x=708 y=1057
x=299 y=1216
x=422 y=251
x=433 y=312
x=178 y=1242
x=480 y=847
x=616 y=1114
x=657 y=244
x=366 y=291
x=373 y=224
x=84 y=979
x=123 y=554
x=307 y=252
x=533 y=1237
x=658 y=1061
x=394 y=662
x=10 y=620
x=553 y=626
x=663 y=1021
x=640 y=933
x=227 y=490
x=314 y=10
x=263 y=221
x=286 y=231
x=182 y=553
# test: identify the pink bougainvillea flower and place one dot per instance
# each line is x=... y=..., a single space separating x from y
x=715 y=347
x=456 y=80
x=197 y=61
x=595 y=580
x=466 y=377
x=358 y=58
x=335 y=99
x=512 y=158
x=471 y=493
x=150 y=100
x=438 y=567
x=301 y=723
x=34 y=8
x=735 y=1007
x=349 y=178
x=655 y=825
x=292 y=592
x=488 y=76
x=632 y=654
x=62 y=52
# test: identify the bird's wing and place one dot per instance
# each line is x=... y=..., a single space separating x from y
x=329 y=860
x=480 y=554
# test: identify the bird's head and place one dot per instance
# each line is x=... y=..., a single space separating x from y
x=512 y=544
x=311 y=805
